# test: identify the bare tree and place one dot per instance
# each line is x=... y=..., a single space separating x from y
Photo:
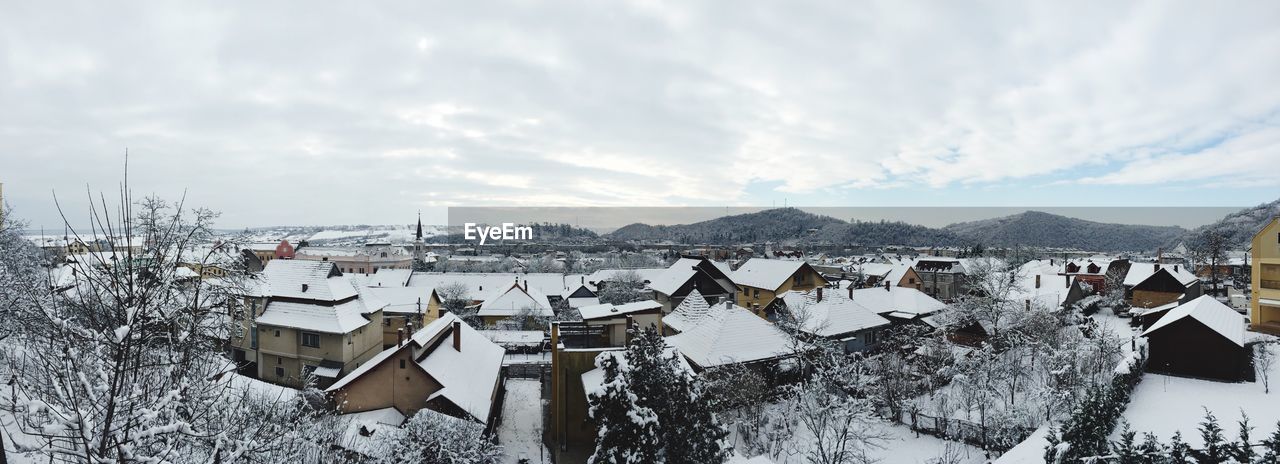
x=1209 y=249
x=1263 y=360
x=125 y=364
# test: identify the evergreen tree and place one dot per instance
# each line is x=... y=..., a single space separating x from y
x=627 y=431
x=1216 y=449
x=1242 y=451
x=1125 y=449
x=1179 y=450
x=1051 y=450
x=1271 y=446
x=1152 y=450
x=689 y=430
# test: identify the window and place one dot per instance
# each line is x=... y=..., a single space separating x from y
x=253 y=337
x=757 y=293
x=279 y=360
x=279 y=372
x=402 y=363
x=277 y=332
x=362 y=270
x=311 y=339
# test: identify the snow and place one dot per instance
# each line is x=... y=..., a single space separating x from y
x=897 y=299
x=338 y=319
x=832 y=316
x=732 y=334
x=675 y=276
x=285 y=278
x=1030 y=451
x=468 y=376
x=514 y=299
x=767 y=274
x=1164 y=404
x=1139 y=272
x=520 y=432
x=1210 y=312
x=688 y=313
x=609 y=310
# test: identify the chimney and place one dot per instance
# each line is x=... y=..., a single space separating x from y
x=1037 y=280
x=400 y=337
x=1067 y=280
x=850 y=291
x=1175 y=268
x=886 y=285
x=526 y=285
x=305 y=287
x=583 y=280
x=457 y=336
x=819 y=294
x=1050 y=261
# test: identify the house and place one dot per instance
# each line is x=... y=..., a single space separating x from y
x=360 y=260
x=1200 y=338
x=687 y=315
x=1147 y=317
x=579 y=295
x=837 y=318
x=687 y=274
x=513 y=300
x=267 y=251
x=940 y=277
x=574 y=349
x=1148 y=285
x=619 y=318
x=603 y=277
x=898 y=304
x=1264 y=310
x=407 y=307
x=730 y=334
x=446 y=366
x=1041 y=283
x=761 y=281
x=305 y=317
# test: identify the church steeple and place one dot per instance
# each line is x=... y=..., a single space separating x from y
x=419 y=235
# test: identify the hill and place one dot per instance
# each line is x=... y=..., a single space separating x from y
x=1237 y=227
x=769 y=225
x=1039 y=229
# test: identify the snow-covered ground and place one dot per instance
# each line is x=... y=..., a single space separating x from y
x=521 y=430
x=1163 y=404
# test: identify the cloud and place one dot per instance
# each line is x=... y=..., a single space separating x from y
x=293 y=113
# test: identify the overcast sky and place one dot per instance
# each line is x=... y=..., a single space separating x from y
x=311 y=113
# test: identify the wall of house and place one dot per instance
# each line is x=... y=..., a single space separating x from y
x=1187 y=347
x=1265 y=276
x=350 y=349
x=865 y=340
x=388 y=385
x=759 y=299
x=571 y=427
x=1153 y=298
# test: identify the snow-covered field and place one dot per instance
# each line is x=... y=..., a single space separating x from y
x=521 y=430
x=1163 y=404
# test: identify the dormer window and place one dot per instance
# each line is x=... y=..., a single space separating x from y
x=305 y=287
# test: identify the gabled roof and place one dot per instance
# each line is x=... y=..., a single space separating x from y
x=336 y=319
x=402 y=300
x=768 y=274
x=1210 y=312
x=1139 y=272
x=682 y=270
x=688 y=313
x=897 y=299
x=731 y=334
x=832 y=316
x=514 y=299
x=323 y=281
x=608 y=310
x=389 y=278
x=467 y=376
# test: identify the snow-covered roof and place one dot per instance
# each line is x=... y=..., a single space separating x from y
x=1210 y=312
x=675 y=276
x=386 y=277
x=688 y=313
x=897 y=299
x=768 y=274
x=606 y=275
x=514 y=299
x=1139 y=272
x=479 y=284
x=732 y=334
x=832 y=316
x=577 y=303
x=467 y=376
x=593 y=379
x=323 y=280
x=401 y=300
x=608 y=310
x=362 y=431
x=336 y=319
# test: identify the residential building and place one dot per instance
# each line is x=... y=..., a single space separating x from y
x=446 y=366
x=837 y=318
x=1201 y=338
x=574 y=348
x=361 y=260
x=618 y=318
x=305 y=317
x=513 y=300
x=1264 y=309
x=940 y=277
x=761 y=281
x=688 y=274
x=898 y=304
x=730 y=334
x=1148 y=285
x=267 y=251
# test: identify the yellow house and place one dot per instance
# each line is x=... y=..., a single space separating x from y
x=761 y=281
x=1264 y=308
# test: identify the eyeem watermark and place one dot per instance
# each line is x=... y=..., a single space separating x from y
x=506 y=231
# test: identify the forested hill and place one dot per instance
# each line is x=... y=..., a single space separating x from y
x=1038 y=229
x=769 y=225
x=1238 y=227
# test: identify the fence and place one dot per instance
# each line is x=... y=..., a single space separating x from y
x=989 y=438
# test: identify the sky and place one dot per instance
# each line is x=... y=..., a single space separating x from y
x=298 y=113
